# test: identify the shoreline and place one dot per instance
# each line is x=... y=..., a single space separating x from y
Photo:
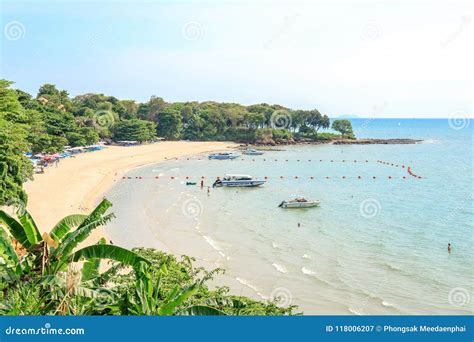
x=339 y=141
x=79 y=182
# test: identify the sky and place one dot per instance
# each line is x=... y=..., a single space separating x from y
x=367 y=58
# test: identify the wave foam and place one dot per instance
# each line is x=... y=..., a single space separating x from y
x=307 y=271
x=279 y=268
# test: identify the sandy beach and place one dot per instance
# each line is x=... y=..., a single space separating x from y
x=78 y=183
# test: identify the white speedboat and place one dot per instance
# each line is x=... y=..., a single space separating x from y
x=238 y=181
x=299 y=202
x=253 y=152
x=224 y=155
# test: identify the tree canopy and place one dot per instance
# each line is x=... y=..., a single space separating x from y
x=344 y=127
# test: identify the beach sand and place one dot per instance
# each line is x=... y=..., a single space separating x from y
x=79 y=183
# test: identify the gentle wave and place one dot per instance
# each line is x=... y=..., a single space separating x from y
x=216 y=246
x=307 y=271
x=356 y=311
x=279 y=268
x=251 y=286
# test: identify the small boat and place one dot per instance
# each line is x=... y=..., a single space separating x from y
x=253 y=152
x=238 y=181
x=224 y=155
x=299 y=202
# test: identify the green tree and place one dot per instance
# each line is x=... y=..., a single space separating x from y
x=137 y=130
x=15 y=169
x=149 y=110
x=169 y=123
x=344 y=127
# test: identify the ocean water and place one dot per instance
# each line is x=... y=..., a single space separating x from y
x=374 y=246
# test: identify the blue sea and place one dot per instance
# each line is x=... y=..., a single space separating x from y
x=374 y=246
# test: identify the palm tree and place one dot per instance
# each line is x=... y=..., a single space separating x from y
x=54 y=252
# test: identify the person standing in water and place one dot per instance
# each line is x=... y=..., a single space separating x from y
x=202 y=183
x=449 y=248
x=208 y=191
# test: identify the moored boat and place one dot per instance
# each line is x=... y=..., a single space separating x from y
x=224 y=155
x=253 y=152
x=233 y=180
x=299 y=202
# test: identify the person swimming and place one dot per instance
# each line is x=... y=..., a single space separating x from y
x=449 y=248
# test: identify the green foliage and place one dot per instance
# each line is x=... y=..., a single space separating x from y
x=15 y=169
x=169 y=123
x=173 y=272
x=344 y=127
x=135 y=129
